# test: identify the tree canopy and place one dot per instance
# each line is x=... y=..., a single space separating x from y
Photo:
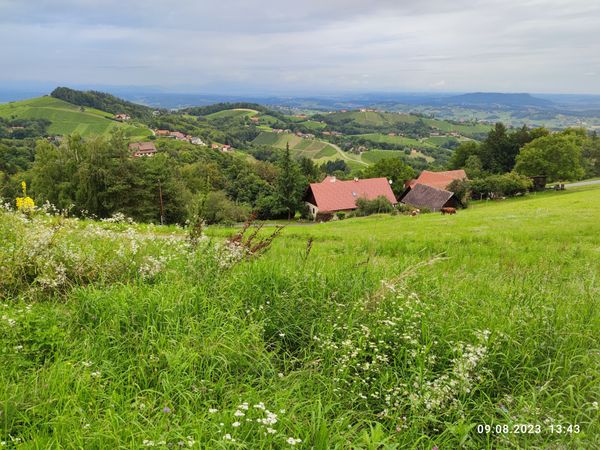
x=558 y=157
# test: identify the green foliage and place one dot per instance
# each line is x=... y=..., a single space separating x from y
x=290 y=184
x=98 y=177
x=102 y=101
x=497 y=153
x=378 y=205
x=558 y=157
x=462 y=191
x=505 y=185
x=394 y=169
x=337 y=167
x=216 y=207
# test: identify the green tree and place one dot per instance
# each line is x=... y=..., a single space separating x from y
x=558 y=157
x=393 y=169
x=463 y=152
x=290 y=184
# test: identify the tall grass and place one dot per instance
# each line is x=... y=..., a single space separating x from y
x=382 y=332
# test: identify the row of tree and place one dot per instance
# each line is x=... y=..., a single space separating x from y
x=567 y=155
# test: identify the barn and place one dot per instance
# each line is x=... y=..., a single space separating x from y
x=424 y=196
x=439 y=180
x=332 y=195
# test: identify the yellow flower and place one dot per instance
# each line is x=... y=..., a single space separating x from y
x=25 y=203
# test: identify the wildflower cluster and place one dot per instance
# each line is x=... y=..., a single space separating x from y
x=43 y=254
x=387 y=362
x=252 y=419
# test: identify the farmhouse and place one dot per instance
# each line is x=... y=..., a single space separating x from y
x=142 y=149
x=164 y=133
x=439 y=180
x=423 y=196
x=122 y=117
x=333 y=195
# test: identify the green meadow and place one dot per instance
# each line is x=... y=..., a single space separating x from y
x=67 y=118
x=310 y=148
x=231 y=113
x=478 y=330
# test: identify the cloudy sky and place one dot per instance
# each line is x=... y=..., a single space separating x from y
x=308 y=46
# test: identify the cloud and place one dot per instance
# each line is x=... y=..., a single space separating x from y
x=309 y=46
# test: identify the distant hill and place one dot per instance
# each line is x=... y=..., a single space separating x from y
x=66 y=118
x=492 y=99
x=102 y=101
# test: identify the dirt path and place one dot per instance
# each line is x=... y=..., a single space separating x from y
x=344 y=156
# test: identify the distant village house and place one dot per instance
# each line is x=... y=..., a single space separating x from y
x=140 y=149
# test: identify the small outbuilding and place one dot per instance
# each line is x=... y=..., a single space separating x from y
x=424 y=196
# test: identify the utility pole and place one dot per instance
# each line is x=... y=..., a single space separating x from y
x=162 y=211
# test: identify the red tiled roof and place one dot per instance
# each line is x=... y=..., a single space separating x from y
x=439 y=180
x=336 y=195
x=143 y=146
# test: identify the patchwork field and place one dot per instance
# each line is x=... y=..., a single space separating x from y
x=474 y=331
x=310 y=148
x=67 y=118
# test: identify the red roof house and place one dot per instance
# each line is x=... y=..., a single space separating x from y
x=332 y=195
x=142 y=149
x=439 y=180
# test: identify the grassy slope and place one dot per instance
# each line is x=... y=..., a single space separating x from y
x=228 y=113
x=320 y=151
x=67 y=118
x=98 y=368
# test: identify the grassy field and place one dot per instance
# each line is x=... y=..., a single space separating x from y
x=229 y=113
x=382 y=332
x=67 y=118
x=398 y=140
x=320 y=151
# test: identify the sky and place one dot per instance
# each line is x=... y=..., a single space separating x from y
x=304 y=47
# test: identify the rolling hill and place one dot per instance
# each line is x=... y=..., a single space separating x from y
x=67 y=118
x=232 y=113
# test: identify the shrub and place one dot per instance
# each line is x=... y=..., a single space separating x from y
x=341 y=215
x=218 y=208
x=403 y=208
x=376 y=206
x=506 y=185
x=462 y=190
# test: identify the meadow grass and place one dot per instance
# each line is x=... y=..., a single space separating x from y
x=379 y=332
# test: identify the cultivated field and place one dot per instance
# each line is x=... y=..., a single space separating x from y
x=310 y=148
x=382 y=332
x=67 y=118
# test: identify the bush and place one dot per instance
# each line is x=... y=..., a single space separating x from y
x=376 y=206
x=462 y=191
x=403 y=208
x=506 y=185
x=340 y=215
x=218 y=208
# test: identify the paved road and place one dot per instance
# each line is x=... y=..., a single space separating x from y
x=582 y=183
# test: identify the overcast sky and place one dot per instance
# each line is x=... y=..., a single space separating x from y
x=307 y=46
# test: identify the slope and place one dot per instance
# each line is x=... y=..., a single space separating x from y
x=67 y=118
